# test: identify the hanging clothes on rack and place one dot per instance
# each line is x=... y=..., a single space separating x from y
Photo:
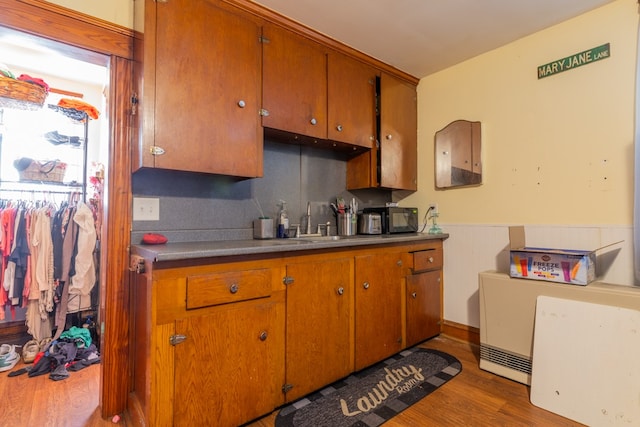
x=48 y=261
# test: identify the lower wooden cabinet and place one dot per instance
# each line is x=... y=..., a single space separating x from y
x=319 y=338
x=229 y=368
x=222 y=343
x=424 y=306
x=424 y=295
x=378 y=315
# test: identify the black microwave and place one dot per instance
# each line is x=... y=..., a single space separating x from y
x=396 y=219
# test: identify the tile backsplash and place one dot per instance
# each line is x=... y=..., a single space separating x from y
x=201 y=207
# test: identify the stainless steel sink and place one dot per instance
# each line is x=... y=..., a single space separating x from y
x=319 y=238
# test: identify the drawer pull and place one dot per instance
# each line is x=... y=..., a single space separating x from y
x=263 y=336
x=340 y=290
x=365 y=285
x=414 y=295
x=233 y=288
x=430 y=259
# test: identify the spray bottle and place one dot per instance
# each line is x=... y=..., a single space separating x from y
x=283 y=221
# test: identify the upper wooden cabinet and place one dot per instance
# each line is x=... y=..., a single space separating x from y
x=294 y=83
x=393 y=164
x=213 y=74
x=351 y=101
x=312 y=91
x=202 y=89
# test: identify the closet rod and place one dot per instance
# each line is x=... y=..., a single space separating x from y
x=44 y=192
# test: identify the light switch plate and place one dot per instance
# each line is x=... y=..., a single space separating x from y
x=146 y=209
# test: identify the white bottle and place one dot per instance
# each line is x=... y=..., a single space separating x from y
x=283 y=221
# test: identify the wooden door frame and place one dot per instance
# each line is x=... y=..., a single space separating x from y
x=100 y=42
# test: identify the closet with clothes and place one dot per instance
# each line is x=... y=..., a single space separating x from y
x=50 y=217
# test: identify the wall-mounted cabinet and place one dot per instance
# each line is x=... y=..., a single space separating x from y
x=392 y=163
x=458 y=155
x=214 y=74
x=311 y=91
x=202 y=90
x=294 y=83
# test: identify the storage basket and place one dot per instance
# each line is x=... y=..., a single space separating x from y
x=22 y=95
x=47 y=171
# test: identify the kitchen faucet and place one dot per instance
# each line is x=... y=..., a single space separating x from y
x=308 y=217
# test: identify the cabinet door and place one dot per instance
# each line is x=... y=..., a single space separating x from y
x=229 y=370
x=207 y=71
x=351 y=98
x=319 y=332
x=398 y=134
x=424 y=306
x=378 y=328
x=294 y=83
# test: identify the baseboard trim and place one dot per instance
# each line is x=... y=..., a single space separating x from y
x=461 y=332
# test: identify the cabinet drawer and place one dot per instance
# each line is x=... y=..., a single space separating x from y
x=227 y=286
x=430 y=259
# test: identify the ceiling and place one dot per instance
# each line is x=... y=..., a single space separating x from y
x=422 y=37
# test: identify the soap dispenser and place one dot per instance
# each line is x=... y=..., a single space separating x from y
x=283 y=221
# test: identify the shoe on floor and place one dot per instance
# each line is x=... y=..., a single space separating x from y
x=8 y=357
x=29 y=351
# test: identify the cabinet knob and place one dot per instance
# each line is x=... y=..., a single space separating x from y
x=340 y=291
x=233 y=288
x=430 y=259
x=414 y=295
x=313 y=121
x=263 y=336
x=399 y=263
x=365 y=285
x=339 y=128
x=241 y=104
x=389 y=137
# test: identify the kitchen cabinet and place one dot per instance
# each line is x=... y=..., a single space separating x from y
x=209 y=343
x=424 y=296
x=351 y=101
x=294 y=83
x=202 y=89
x=222 y=340
x=458 y=154
x=378 y=299
x=393 y=162
x=311 y=91
x=319 y=334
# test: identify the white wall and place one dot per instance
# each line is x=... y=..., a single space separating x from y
x=557 y=152
x=117 y=11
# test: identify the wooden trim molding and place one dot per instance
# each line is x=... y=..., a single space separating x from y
x=95 y=41
x=114 y=295
x=61 y=25
x=461 y=332
x=96 y=22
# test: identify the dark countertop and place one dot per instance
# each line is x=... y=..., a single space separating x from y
x=190 y=250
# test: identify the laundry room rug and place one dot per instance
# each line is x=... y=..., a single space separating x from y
x=372 y=396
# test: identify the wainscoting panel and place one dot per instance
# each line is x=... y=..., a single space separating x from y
x=473 y=248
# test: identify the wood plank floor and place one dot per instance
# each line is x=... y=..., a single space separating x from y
x=474 y=398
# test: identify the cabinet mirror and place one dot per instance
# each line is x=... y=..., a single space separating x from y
x=457 y=155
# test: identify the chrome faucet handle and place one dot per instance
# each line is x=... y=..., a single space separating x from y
x=319 y=230
x=328 y=228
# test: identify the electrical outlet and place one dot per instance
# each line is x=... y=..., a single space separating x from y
x=146 y=209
